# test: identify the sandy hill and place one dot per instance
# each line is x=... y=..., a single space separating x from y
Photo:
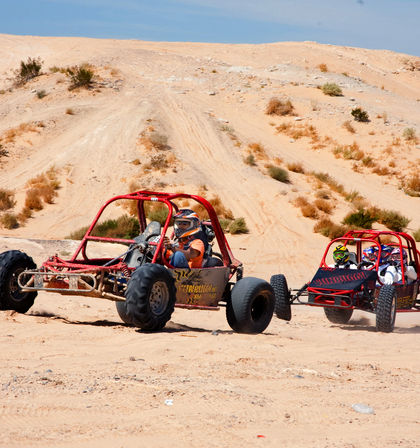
x=184 y=116
x=205 y=105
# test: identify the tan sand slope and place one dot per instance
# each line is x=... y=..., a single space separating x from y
x=73 y=375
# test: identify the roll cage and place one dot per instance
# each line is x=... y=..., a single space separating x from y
x=80 y=260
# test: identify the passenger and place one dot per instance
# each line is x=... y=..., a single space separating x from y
x=342 y=260
x=369 y=257
x=186 y=249
x=394 y=268
x=387 y=273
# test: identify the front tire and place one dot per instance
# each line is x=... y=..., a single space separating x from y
x=386 y=309
x=122 y=312
x=150 y=297
x=282 y=306
x=251 y=306
x=12 y=263
x=338 y=315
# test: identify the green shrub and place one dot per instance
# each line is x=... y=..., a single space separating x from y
x=156 y=212
x=9 y=221
x=224 y=224
x=250 y=160
x=278 y=173
x=331 y=89
x=41 y=94
x=393 y=220
x=362 y=219
x=28 y=70
x=416 y=234
x=409 y=134
x=237 y=226
x=123 y=227
x=80 y=77
x=360 y=115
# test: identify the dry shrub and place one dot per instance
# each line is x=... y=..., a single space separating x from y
x=416 y=234
x=221 y=210
x=9 y=221
x=69 y=111
x=349 y=152
x=296 y=167
x=258 y=151
x=347 y=125
x=308 y=210
x=412 y=185
x=278 y=107
x=11 y=134
x=409 y=135
x=323 y=205
x=44 y=186
x=325 y=178
x=33 y=200
x=24 y=215
x=329 y=229
x=323 y=194
x=323 y=67
x=381 y=170
x=7 y=199
x=368 y=161
x=297 y=131
x=158 y=162
x=151 y=139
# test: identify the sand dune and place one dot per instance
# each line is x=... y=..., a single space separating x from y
x=73 y=375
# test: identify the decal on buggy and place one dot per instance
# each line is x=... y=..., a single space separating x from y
x=341 y=279
x=200 y=286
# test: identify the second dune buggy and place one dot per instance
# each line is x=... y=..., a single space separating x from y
x=340 y=291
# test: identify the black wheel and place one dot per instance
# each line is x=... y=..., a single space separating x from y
x=282 y=306
x=338 y=315
x=386 y=309
x=251 y=306
x=122 y=312
x=150 y=297
x=12 y=263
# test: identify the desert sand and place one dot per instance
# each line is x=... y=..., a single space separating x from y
x=72 y=374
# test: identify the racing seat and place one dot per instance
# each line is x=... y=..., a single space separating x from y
x=352 y=257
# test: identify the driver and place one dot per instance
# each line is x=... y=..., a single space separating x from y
x=341 y=256
x=186 y=250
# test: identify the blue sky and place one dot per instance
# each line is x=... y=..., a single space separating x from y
x=380 y=24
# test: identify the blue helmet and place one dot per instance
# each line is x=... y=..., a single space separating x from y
x=370 y=254
x=385 y=253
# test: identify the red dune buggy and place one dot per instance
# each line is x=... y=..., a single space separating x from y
x=141 y=281
x=340 y=291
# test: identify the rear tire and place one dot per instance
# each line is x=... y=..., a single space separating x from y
x=282 y=306
x=12 y=263
x=338 y=315
x=150 y=297
x=251 y=306
x=386 y=309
